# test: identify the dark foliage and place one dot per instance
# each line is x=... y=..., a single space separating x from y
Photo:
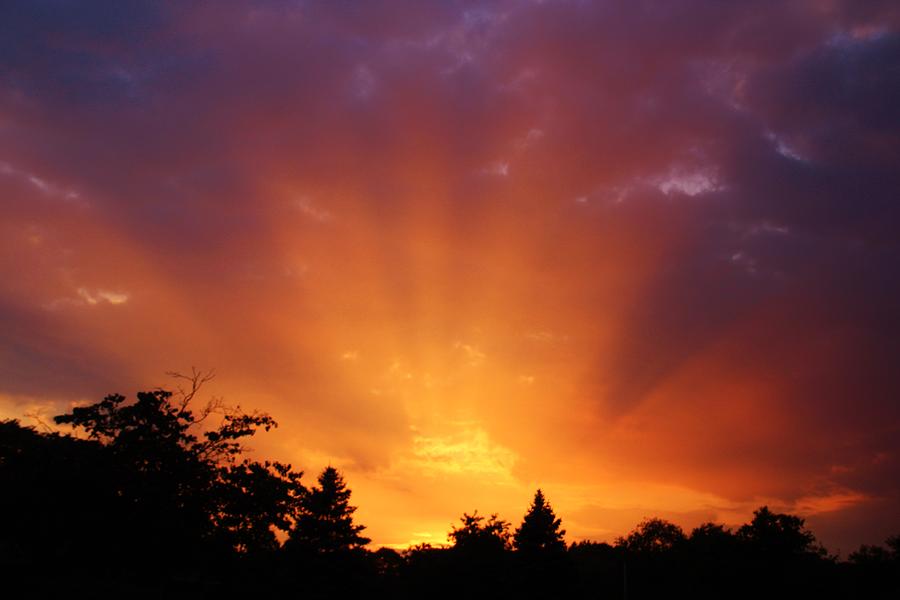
x=653 y=536
x=540 y=531
x=324 y=523
x=778 y=535
x=480 y=555
x=542 y=566
x=151 y=499
x=480 y=537
x=145 y=496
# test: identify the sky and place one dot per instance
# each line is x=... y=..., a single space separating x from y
x=642 y=254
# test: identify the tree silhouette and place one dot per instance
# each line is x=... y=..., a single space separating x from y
x=877 y=569
x=539 y=532
x=652 y=536
x=253 y=501
x=778 y=534
x=480 y=536
x=179 y=484
x=479 y=559
x=150 y=498
x=542 y=566
x=58 y=506
x=783 y=554
x=893 y=544
x=325 y=522
x=712 y=541
x=145 y=492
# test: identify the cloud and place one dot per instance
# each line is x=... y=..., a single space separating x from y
x=468 y=452
x=692 y=210
x=689 y=184
x=305 y=206
x=94 y=298
x=474 y=356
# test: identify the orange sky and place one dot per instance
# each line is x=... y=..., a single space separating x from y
x=639 y=256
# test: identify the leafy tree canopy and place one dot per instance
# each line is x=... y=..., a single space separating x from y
x=479 y=535
x=179 y=479
x=778 y=534
x=652 y=536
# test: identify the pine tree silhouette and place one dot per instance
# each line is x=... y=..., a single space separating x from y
x=325 y=523
x=539 y=532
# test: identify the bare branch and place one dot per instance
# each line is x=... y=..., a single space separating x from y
x=216 y=405
x=194 y=382
x=39 y=419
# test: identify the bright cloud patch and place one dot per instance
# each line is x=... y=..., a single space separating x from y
x=467 y=452
x=690 y=183
x=102 y=296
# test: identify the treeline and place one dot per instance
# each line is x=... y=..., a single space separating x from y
x=151 y=498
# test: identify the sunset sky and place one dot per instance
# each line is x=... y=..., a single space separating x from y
x=641 y=254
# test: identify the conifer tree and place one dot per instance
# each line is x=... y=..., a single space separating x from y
x=539 y=532
x=325 y=523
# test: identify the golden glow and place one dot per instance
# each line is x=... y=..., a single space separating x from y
x=449 y=359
